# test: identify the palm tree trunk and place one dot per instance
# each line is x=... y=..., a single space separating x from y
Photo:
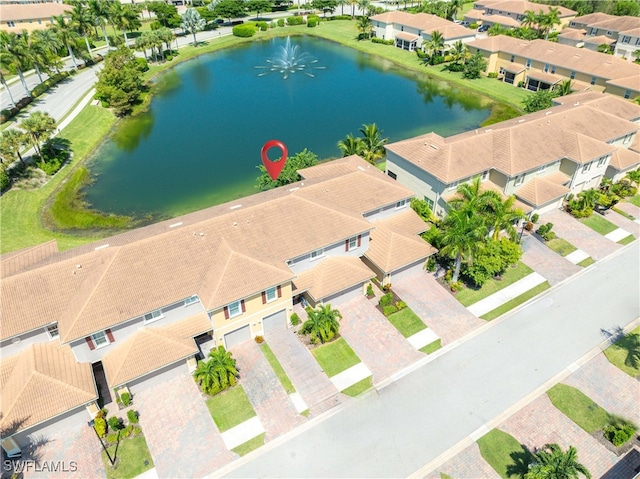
x=20 y=157
x=38 y=72
x=73 y=58
x=24 y=83
x=6 y=87
x=106 y=38
x=456 y=273
x=124 y=31
x=86 y=41
x=194 y=39
x=34 y=141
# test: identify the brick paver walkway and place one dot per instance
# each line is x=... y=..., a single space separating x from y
x=469 y=464
x=608 y=386
x=540 y=423
x=629 y=208
x=623 y=222
x=545 y=261
x=305 y=373
x=181 y=435
x=378 y=344
x=271 y=403
x=436 y=306
x=579 y=235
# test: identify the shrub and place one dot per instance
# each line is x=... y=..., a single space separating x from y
x=273 y=25
x=115 y=423
x=245 y=30
x=455 y=67
x=263 y=26
x=340 y=17
x=312 y=23
x=11 y=112
x=457 y=286
x=169 y=58
x=112 y=438
x=619 y=432
x=492 y=75
x=535 y=217
x=421 y=53
x=510 y=252
x=382 y=41
x=143 y=66
x=473 y=26
x=528 y=226
x=126 y=432
x=126 y=398
x=385 y=300
x=132 y=416
x=136 y=430
x=280 y=22
x=295 y=319
x=390 y=309
x=100 y=425
x=545 y=232
x=259 y=339
x=5 y=181
x=295 y=21
x=401 y=305
x=431 y=264
x=386 y=288
x=436 y=59
x=520 y=84
x=370 y=290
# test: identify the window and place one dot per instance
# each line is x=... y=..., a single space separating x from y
x=513 y=57
x=627 y=94
x=392 y=175
x=191 y=300
x=502 y=71
x=637 y=41
x=401 y=204
x=454 y=185
x=270 y=295
x=528 y=62
x=546 y=67
x=353 y=243
x=485 y=175
x=626 y=39
x=573 y=75
x=100 y=339
x=602 y=161
x=593 y=31
x=519 y=180
x=609 y=34
x=152 y=316
x=586 y=167
x=593 y=80
x=234 y=309
x=429 y=202
x=542 y=168
x=553 y=68
x=52 y=331
x=317 y=254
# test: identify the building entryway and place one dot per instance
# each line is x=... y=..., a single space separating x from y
x=104 y=394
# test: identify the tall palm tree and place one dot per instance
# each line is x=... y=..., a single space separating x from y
x=83 y=20
x=462 y=237
x=100 y=11
x=6 y=88
x=11 y=141
x=217 y=373
x=364 y=27
x=124 y=17
x=47 y=44
x=66 y=33
x=502 y=216
x=192 y=22
x=633 y=176
x=166 y=35
x=551 y=462
x=436 y=44
x=452 y=7
x=323 y=324
x=472 y=198
x=363 y=5
x=530 y=19
x=459 y=51
x=372 y=143
x=39 y=126
x=14 y=52
x=342 y=4
x=36 y=56
x=550 y=20
x=350 y=145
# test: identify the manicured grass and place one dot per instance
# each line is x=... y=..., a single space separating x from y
x=359 y=387
x=250 y=445
x=230 y=408
x=634 y=200
x=561 y=246
x=623 y=213
x=432 y=347
x=627 y=240
x=335 y=357
x=517 y=301
x=277 y=368
x=407 y=322
x=618 y=353
x=382 y=166
x=496 y=447
x=586 y=262
x=578 y=407
x=133 y=458
x=597 y=223
x=468 y=296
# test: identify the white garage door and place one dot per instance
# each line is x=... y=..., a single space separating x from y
x=275 y=322
x=238 y=336
x=407 y=271
x=554 y=205
x=344 y=296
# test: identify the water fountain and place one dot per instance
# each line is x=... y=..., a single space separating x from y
x=290 y=60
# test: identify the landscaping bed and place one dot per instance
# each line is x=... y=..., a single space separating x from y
x=500 y=449
x=470 y=295
x=625 y=352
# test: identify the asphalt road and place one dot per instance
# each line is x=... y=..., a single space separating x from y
x=396 y=431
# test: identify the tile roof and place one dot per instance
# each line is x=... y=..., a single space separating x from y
x=617 y=23
x=42 y=382
x=28 y=11
x=623 y=159
x=521 y=6
x=332 y=275
x=424 y=22
x=540 y=190
x=632 y=32
x=599 y=40
x=611 y=104
x=592 y=18
x=632 y=82
x=407 y=222
x=573 y=33
x=17 y=261
x=501 y=20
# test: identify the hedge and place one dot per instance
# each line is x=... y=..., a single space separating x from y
x=245 y=30
x=295 y=20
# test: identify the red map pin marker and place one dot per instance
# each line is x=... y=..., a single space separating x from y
x=273 y=167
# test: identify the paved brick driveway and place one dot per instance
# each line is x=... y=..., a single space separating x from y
x=629 y=208
x=436 y=307
x=181 y=435
x=375 y=340
x=546 y=262
x=469 y=464
x=579 y=235
x=271 y=403
x=623 y=222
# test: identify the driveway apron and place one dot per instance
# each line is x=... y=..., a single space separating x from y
x=545 y=261
x=629 y=208
x=436 y=306
x=181 y=435
x=375 y=340
x=468 y=464
x=623 y=222
x=271 y=403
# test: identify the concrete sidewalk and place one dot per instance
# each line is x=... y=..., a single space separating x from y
x=506 y=294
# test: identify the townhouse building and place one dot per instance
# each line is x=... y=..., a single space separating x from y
x=540 y=158
x=540 y=64
x=30 y=15
x=123 y=313
x=622 y=33
x=510 y=13
x=412 y=31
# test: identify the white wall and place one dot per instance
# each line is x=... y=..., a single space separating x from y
x=386 y=211
x=76 y=418
x=10 y=347
x=161 y=375
x=304 y=262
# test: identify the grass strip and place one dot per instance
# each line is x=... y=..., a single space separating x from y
x=133 y=458
x=497 y=448
x=634 y=200
x=432 y=347
x=359 y=387
x=578 y=407
x=598 y=224
x=561 y=246
x=335 y=357
x=277 y=368
x=250 y=445
x=470 y=295
x=586 y=262
x=407 y=322
x=230 y=408
x=624 y=352
x=627 y=240
x=517 y=301
x=623 y=213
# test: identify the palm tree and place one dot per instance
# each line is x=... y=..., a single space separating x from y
x=11 y=142
x=364 y=27
x=472 y=198
x=39 y=126
x=36 y=56
x=14 y=52
x=218 y=373
x=323 y=324
x=436 y=44
x=551 y=462
x=634 y=177
x=459 y=51
x=350 y=145
x=83 y=21
x=6 y=88
x=362 y=5
x=47 y=44
x=192 y=22
x=530 y=19
x=165 y=35
x=563 y=88
x=503 y=216
x=100 y=11
x=452 y=8
x=142 y=43
x=124 y=17
x=66 y=33
x=372 y=143
x=550 y=20
x=462 y=237
x=342 y=3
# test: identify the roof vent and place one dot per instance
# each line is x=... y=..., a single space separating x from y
x=235 y=223
x=175 y=224
x=235 y=207
x=520 y=121
x=361 y=168
x=294 y=189
x=548 y=113
x=101 y=247
x=576 y=103
x=435 y=147
x=201 y=234
x=78 y=266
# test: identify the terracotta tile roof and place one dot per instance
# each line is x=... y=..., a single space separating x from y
x=28 y=11
x=501 y=20
x=474 y=14
x=632 y=32
x=623 y=159
x=18 y=261
x=406 y=222
x=407 y=36
x=335 y=168
x=540 y=190
x=635 y=146
x=592 y=18
x=557 y=177
x=607 y=103
x=42 y=382
x=545 y=77
x=332 y=275
x=599 y=40
x=617 y=24
x=632 y=82
x=521 y=6
x=425 y=22
x=573 y=33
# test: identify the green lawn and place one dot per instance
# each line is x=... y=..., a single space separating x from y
x=432 y=347
x=382 y=166
x=627 y=240
x=250 y=445
x=578 y=407
x=335 y=357
x=499 y=448
x=132 y=458
x=619 y=353
x=359 y=387
x=597 y=223
x=586 y=262
x=230 y=408
x=561 y=246
x=634 y=200
x=623 y=213
x=407 y=322
x=468 y=296
x=517 y=301
x=277 y=368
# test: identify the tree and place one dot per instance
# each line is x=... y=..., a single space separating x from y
x=289 y=173
x=451 y=9
x=459 y=52
x=364 y=27
x=39 y=126
x=341 y=4
x=551 y=462
x=47 y=44
x=350 y=145
x=323 y=324
x=83 y=20
x=563 y=88
x=100 y=11
x=550 y=20
x=124 y=17
x=324 y=5
x=472 y=198
x=119 y=83
x=624 y=8
x=435 y=45
x=218 y=373
x=475 y=66
x=192 y=22
x=259 y=6
x=166 y=15
x=11 y=141
x=6 y=88
x=539 y=100
x=14 y=52
x=230 y=9
x=634 y=177
x=462 y=237
x=66 y=33
x=372 y=143
x=531 y=20
x=502 y=216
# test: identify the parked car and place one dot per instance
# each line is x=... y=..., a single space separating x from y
x=483 y=28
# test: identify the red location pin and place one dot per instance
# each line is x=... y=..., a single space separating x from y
x=273 y=167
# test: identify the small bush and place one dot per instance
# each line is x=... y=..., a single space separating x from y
x=390 y=309
x=115 y=423
x=273 y=25
x=382 y=41
x=386 y=288
x=169 y=58
x=401 y=305
x=312 y=23
x=280 y=22
x=535 y=218
x=473 y=26
x=259 y=339
x=132 y=416
x=295 y=21
x=528 y=226
x=370 y=290
x=262 y=25
x=244 y=31
x=340 y=17
x=618 y=434
x=126 y=399
x=9 y=113
x=5 y=181
x=385 y=300
x=455 y=67
x=143 y=66
x=492 y=75
x=136 y=431
x=545 y=232
x=295 y=319
x=112 y=438
x=431 y=264
x=436 y=59
x=100 y=425
x=457 y=286
x=126 y=432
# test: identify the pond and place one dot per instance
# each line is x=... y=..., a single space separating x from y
x=199 y=143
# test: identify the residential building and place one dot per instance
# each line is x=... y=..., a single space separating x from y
x=540 y=64
x=622 y=33
x=540 y=158
x=412 y=31
x=16 y=16
x=133 y=309
x=509 y=13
